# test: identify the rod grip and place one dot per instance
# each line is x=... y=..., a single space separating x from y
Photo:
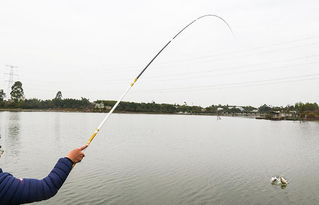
x=91 y=138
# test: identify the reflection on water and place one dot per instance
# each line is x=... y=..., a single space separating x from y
x=167 y=159
x=12 y=133
x=13 y=125
x=57 y=126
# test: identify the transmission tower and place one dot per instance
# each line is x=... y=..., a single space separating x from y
x=11 y=75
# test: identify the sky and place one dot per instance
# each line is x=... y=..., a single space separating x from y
x=95 y=48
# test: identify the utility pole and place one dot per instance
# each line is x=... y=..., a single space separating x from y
x=11 y=74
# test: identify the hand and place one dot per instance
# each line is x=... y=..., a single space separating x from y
x=77 y=154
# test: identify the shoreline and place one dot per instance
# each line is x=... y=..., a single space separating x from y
x=92 y=111
x=256 y=117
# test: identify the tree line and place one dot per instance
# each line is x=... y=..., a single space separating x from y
x=18 y=100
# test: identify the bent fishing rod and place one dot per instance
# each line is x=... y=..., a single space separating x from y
x=144 y=69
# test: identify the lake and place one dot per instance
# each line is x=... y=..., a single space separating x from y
x=166 y=159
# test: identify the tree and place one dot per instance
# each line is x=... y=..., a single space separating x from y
x=58 y=95
x=2 y=95
x=249 y=108
x=264 y=108
x=17 y=93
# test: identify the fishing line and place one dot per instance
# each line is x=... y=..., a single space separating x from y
x=144 y=69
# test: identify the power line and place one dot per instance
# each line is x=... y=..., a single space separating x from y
x=168 y=65
x=210 y=57
x=225 y=70
x=237 y=54
x=314 y=76
x=212 y=73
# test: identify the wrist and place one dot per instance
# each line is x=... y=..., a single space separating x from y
x=70 y=159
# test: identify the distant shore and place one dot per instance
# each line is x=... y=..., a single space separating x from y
x=94 y=111
x=17 y=102
x=258 y=117
x=43 y=110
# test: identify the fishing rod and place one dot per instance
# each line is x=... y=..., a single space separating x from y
x=144 y=69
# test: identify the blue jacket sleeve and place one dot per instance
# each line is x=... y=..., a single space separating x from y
x=19 y=191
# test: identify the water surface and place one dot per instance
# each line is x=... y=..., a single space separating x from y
x=166 y=159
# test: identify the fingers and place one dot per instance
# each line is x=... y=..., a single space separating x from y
x=84 y=147
x=80 y=157
x=77 y=154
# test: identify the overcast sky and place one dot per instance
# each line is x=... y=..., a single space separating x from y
x=94 y=48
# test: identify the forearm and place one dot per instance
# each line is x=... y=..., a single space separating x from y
x=18 y=191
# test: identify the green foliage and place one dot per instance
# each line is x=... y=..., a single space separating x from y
x=150 y=107
x=249 y=108
x=36 y=104
x=58 y=95
x=308 y=111
x=72 y=103
x=303 y=107
x=264 y=109
x=297 y=111
x=2 y=95
x=211 y=109
x=17 y=93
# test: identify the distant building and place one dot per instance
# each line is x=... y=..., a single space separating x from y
x=220 y=109
x=241 y=109
x=99 y=105
x=277 y=115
